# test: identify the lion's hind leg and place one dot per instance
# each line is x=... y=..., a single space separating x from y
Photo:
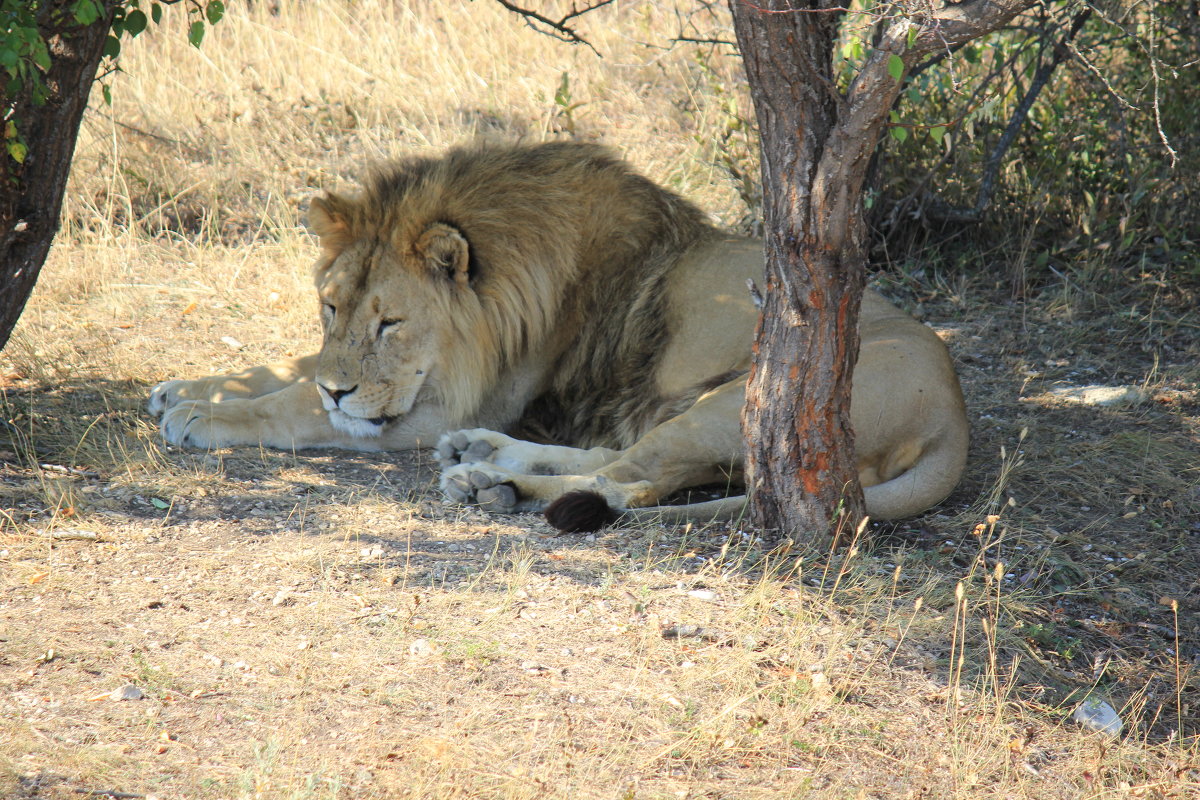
x=485 y=467
x=701 y=445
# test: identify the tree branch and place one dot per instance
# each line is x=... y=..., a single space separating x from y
x=955 y=24
x=873 y=91
x=991 y=169
x=559 y=29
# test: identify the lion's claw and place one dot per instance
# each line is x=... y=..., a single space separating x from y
x=202 y=424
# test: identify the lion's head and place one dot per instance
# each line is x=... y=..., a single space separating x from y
x=435 y=278
x=445 y=274
x=384 y=303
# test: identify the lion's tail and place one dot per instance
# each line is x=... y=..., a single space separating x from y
x=927 y=482
x=584 y=512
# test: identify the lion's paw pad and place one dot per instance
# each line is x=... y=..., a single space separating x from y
x=450 y=454
x=488 y=490
x=461 y=447
x=497 y=498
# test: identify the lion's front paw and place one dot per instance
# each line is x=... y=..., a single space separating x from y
x=166 y=395
x=484 y=485
x=470 y=446
x=201 y=424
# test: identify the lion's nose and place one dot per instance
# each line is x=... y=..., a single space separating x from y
x=336 y=394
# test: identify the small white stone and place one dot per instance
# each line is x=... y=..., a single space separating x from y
x=420 y=647
x=127 y=692
x=1101 y=395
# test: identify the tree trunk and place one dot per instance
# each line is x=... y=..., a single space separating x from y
x=31 y=193
x=816 y=148
x=800 y=467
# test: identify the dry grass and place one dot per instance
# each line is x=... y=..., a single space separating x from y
x=318 y=625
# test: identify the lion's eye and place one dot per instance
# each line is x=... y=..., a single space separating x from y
x=386 y=325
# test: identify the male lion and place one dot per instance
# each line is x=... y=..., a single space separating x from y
x=551 y=290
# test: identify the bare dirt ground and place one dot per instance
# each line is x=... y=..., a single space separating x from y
x=320 y=624
x=257 y=624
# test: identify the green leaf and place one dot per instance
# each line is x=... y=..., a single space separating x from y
x=107 y=94
x=17 y=150
x=896 y=67
x=912 y=35
x=135 y=22
x=161 y=505
x=85 y=12
x=196 y=33
x=30 y=36
x=899 y=134
x=156 y=13
x=8 y=58
x=938 y=133
x=41 y=55
x=214 y=11
x=10 y=130
x=112 y=47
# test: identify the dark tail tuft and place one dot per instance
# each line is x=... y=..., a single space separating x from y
x=580 y=512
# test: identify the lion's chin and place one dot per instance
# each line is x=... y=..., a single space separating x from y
x=358 y=427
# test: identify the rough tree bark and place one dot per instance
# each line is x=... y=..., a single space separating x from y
x=816 y=147
x=800 y=459
x=31 y=193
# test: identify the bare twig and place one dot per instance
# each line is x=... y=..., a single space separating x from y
x=690 y=40
x=559 y=29
x=1158 y=123
x=107 y=793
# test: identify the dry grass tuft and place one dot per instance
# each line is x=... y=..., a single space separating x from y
x=319 y=625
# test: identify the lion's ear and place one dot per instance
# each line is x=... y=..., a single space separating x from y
x=446 y=252
x=328 y=218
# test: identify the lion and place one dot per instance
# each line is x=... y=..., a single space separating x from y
x=506 y=293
